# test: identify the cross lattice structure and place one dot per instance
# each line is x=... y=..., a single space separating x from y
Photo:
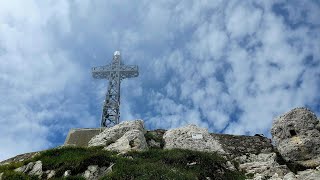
x=114 y=72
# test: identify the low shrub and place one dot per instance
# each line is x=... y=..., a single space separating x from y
x=11 y=166
x=12 y=175
x=157 y=138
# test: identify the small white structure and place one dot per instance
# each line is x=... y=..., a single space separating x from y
x=197 y=136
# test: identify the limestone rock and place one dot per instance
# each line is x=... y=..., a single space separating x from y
x=94 y=172
x=275 y=177
x=153 y=144
x=131 y=140
x=230 y=166
x=50 y=173
x=67 y=173
x=36 y=169
x=19 y=158
x=309 y=174
x=32 y=168
x=262 y=165
x=297 y=138
x=110 y=135
x=193 y=138
x=290 y=176
x=20 y=169
x=25 y=168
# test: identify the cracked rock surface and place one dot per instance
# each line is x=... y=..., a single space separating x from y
x=297 y=137
x=192 y=137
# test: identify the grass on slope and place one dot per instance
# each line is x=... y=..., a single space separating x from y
x=152 y=164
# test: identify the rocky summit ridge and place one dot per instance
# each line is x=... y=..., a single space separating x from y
x=292 y=154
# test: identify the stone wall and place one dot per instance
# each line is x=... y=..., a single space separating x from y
x=81 y=136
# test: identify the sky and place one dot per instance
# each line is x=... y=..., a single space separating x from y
x=230 y=66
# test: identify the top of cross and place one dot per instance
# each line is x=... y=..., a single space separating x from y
x=106 y=72
x=116 y=53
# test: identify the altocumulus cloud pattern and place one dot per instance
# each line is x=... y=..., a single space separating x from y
x=229 y=66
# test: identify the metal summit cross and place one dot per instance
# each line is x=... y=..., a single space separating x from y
x=114 y=72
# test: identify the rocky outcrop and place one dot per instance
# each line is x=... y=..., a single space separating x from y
x=32 y=168
x=238 y=145
x=37 y=169
x=94 y=172
x=111 y=135
x=124 y=137
x=192 y=137
x=131 y=140
x=262 y=166
x=154 y=144
x=20 y=157
x=309 y=174
x=50 y=173
x=67 y=173
x=155 y=138
x=297 y=138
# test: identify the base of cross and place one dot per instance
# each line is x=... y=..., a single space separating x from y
x=81 y=136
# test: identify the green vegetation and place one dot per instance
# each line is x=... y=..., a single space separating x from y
x=76 y=159
x=157 y=138
x=70 y=178
x=11 y=175
x=11 y=166
x=152 y=164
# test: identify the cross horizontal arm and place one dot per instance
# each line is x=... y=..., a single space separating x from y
x=102 y=72
x=129 y=71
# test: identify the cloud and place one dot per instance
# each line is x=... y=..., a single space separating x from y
x=37 y=78
x=242 y=19
x=240 y=74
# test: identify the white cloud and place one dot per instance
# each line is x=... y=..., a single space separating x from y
x=34 y=75
x=242 y=19
x=257 y=74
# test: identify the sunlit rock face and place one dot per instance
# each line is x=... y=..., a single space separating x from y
x=192 y=137
x=297 y=137
x=131 y=140
x=111 y=135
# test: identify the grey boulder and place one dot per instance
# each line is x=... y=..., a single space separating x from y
x=131 y=140
x=262 y=165
x=111 y=135
x=94 y=172
x=297 y=138
x=192 y=137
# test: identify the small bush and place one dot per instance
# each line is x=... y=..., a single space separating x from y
x=147 y=170
x=12 y=175
x=158 y=138
x=69 y=178
x=11 y=166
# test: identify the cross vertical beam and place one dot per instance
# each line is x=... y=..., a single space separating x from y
x=114 y=72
